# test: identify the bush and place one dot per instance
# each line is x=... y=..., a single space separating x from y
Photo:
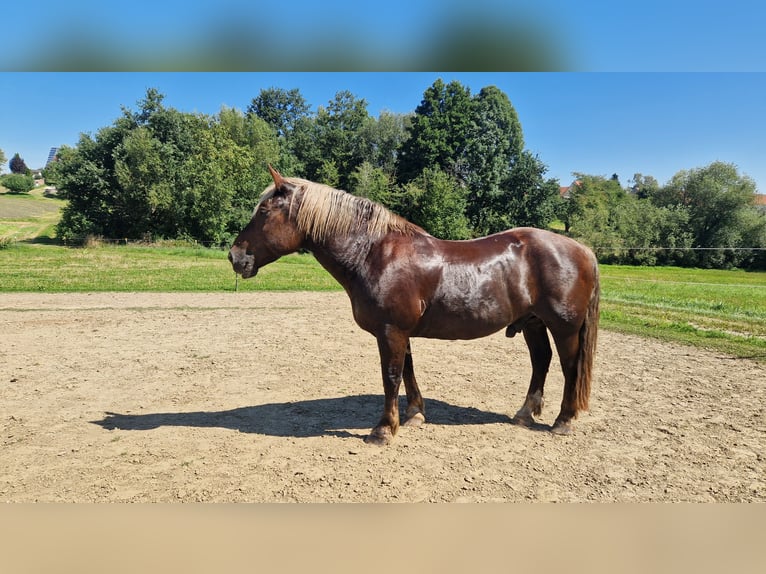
x=17 y=183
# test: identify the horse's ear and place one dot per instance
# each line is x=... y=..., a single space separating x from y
x=276 y=176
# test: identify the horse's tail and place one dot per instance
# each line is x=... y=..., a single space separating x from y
x=588 y=336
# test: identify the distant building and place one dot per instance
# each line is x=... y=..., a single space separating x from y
x=51 y=156
x=566 y=192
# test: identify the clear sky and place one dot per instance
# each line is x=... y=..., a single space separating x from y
x=595 y=123
x=583 y=35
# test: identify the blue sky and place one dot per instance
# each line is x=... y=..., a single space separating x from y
x=587 y=35
x=596 y=123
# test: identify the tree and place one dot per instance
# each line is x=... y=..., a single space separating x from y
x=161 y=172
x=17 y=182
x=375 y=184
x=279 y=108
x=18 y=166
x=717 y=199
x=640 y=228
x=478 y=142
x=643 y=186
x=2 y=159
x=330 y=147
x=381 y=140
x=591 y=209
x=530 y=198
x=494 y=146
x=439 y=132
x=437 y=203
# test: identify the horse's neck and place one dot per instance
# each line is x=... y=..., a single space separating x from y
x=343 y=257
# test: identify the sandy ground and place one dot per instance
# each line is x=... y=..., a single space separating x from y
x=264 y=397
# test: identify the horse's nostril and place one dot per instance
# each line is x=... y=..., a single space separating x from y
x=231 y=259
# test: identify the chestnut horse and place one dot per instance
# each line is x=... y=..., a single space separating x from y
x=405 y=283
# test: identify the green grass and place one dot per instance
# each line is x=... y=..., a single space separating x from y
x=28 y=216
x=722 y=310
x=50 y=268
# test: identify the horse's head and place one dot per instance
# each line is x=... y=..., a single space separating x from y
x=271 y=232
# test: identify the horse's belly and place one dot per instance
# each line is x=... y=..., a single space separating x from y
x=442 y=324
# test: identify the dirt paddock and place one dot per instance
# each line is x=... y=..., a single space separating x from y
x=265 y=397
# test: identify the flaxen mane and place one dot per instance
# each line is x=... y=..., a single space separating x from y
x=324 y=211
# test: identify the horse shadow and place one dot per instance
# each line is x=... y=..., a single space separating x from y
x=310 y=418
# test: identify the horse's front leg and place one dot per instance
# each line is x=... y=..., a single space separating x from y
x=416 y=410
x=392 y=346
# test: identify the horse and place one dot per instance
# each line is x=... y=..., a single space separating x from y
x=404 y=283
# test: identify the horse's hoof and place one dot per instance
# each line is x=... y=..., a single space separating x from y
x=562 y=429
x=380 y=436
x=415 y=420
x=523 y=420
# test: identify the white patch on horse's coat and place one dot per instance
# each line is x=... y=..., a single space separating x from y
x=532 y=404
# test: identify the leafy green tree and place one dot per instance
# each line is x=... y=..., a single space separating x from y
x=643 y=186
x=288 y=114
x=753 y=225
x=382 y=138
x=478 y=141
x=85 y=181
x=338 y=128
x=18 y=166
x=329 y=146
x=329 y=174
x=160 y=172
x=718 y=200
x=436 y=202
x=17 y=182
x=494 y=145
x=2 y=159
x=375 y=184
x=591 y=212
x=279 y=108
x=530 y=199
x=140 y=194
x=647 y=235
x=439 y=131
x=243 y=145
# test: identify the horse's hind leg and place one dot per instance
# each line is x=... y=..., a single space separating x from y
x=416 y=410
x=536 y=337
x=568 y=348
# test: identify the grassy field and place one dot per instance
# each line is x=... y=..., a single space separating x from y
x=28 y=216
x=50 y=268
x=721 y=310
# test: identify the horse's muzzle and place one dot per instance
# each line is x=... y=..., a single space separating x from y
x=242 y=262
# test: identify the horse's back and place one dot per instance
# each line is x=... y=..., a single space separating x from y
x=489 y=283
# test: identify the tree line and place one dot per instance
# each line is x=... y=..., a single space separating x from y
x=457 y=166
